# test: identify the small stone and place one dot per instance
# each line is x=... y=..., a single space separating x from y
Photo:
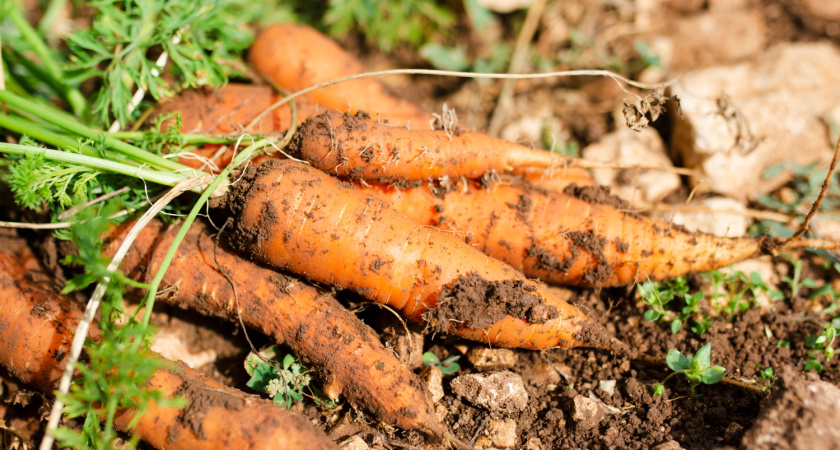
x=505 y=6
x=432 y=378
x=354 y=443
x=483 y=441
x=408 y=347
x=668 y=445
x=497 y=391
x=610 y=435
x=739 y=120
x=534 y=444
x=441 y=412
x=716 y=37
x=626 y=147
x=608 y=386
x=542 y=374
x=502 y=433
x=720 y=216
x=483 y=358
x=587 y=413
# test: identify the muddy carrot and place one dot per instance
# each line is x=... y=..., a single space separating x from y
x=361 y=148
x=296 y=57
x=38 y=325
x=584 y=236
x=230 y=111
x=345 y=352
x=298 y=218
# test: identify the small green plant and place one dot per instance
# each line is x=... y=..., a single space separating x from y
x=822 y=343
x=767 y=374
x=447 y=366
x=285 y=382
x=795 y=281
x=389 y=24
x=697 y=369
x=658 y=295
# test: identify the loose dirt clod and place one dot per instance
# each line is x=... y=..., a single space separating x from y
x=478 y=303
x=498 y=391
x=800 y=414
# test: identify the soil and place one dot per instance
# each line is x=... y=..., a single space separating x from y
x=790 y=409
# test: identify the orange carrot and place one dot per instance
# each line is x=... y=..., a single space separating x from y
x=38 y=325
x=361 y=148
x=298 y=218
x=346 y=353
x=229 y=111
x=555 y=178
x=296 y=57
x=581 y=237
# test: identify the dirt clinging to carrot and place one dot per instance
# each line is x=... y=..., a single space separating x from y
x=475 y=302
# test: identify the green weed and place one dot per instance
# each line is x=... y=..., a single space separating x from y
x=697 y=369
x=286 y=381
x=446 y=366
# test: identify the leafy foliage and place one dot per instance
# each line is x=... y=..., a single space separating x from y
x=119 y=364
x=36 y=181
x=126 y=36
x=284 y=382
x=446 y=366
x=697 y=369
x=389 y=24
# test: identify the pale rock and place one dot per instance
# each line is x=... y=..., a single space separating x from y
x=608 y=386
x=716 y=37
x=497 y=391
x=432 y=378
x=586 y=413
x=484 y=358
x=628 y=148
x=353 y=443
x=728 y=5
x=741 y=119
x=171 y=343
x=534 y=443
x=668 y=445
x=502 y=433
x=686 y=5
x=505 y=6
x=824 y=9
x=826 y=228
x=799 y=414
x=543 y=374
x=483 y=442
x=407 y=346
x=720 y=216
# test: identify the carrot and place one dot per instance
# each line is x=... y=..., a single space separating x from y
x=554 y=178
x=347 y=353
x=296 y=57
x=361 y=148
x=229 y=111
x=38 y=324
x=581 y=237
x=298 y=218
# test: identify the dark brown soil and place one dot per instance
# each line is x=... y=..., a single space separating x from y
x=477 y=303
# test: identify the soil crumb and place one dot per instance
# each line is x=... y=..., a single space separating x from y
x=596 y=194
x=800 y=414
x=475 y=302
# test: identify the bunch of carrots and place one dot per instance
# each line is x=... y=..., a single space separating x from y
x=454 y=229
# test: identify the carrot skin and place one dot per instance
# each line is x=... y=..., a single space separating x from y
x=360 y=148
x=564 y=239
x=343 y=350
x=297 y=218
x=297 y=57
x=38 y=325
